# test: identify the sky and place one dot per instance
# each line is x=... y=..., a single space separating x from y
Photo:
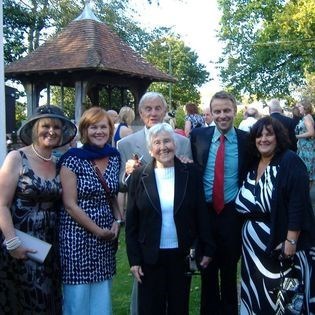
x=197 y=22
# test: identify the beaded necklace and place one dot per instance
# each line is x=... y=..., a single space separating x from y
x=40 y=156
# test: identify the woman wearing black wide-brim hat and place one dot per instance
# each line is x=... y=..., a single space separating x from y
x=30 y=201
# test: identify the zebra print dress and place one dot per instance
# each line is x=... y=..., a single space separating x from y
x=261 y=273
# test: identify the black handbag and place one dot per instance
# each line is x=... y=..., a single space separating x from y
x=290 y=298
x=191 y=263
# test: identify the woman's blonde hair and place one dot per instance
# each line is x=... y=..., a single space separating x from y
x=126 y=115
x=307 y=105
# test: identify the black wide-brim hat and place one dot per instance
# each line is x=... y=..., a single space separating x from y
x=69 y=129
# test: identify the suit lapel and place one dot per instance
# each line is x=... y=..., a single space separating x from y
x=141 y=147
x=241 y=144
x=205 y=144
x=149 y=184
x=181 y=180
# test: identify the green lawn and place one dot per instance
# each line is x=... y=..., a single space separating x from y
x=122 y=284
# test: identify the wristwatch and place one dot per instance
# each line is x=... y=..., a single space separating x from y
x=292 y=242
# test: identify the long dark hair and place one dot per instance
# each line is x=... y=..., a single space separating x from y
x=271 y=124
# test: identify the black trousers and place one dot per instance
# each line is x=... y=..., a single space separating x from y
x=165 y=286
x=219 y=279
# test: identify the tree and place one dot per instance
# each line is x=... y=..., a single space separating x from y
x=269 y=45
x=20 y=113
x=29 y=22
x=308 y=90
x=25 y=26
x=171 y=55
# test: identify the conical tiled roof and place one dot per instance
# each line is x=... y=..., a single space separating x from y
x=86 y=44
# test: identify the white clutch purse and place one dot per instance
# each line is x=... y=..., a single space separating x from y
x=42 y=248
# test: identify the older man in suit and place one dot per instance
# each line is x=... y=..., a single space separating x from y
x=152 y=110
x=210 y=146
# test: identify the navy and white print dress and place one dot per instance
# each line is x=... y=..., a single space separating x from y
x=261 y=273
x=86 y=258
x=196 y=120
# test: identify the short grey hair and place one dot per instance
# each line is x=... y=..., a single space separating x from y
x=274 y=105
x=152 y=95
x=156 y=130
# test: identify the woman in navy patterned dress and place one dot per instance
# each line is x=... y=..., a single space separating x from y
x=193 y=119
x=88 y=224
x=275 y=204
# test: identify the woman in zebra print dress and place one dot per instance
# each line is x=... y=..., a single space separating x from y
x=274 y=202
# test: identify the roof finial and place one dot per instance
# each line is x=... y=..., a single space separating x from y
x=87 y=13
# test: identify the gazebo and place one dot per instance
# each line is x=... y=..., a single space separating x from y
x=87 y=56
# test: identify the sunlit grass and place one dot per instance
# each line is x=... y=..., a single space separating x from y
x=122 y=284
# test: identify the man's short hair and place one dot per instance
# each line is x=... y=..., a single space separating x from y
x=274 y=105
x=224 y=95
x=152 y=95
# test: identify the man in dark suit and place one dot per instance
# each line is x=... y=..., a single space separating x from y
x=276 y=112
x=218 y=280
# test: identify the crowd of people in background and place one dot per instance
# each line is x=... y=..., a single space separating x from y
x=225 y=193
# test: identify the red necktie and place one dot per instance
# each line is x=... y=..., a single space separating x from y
x=218 y=184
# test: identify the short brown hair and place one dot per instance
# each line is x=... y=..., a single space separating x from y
x=92 y=116
x=224 y=95
x=191 y=108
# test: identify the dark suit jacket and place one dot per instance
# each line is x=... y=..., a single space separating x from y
x=291 y=207
x=144 y=217
x=289 y=124
x=201 y=139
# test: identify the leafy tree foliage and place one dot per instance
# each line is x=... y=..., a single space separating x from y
x=26 y=23
x=308 y=91
x=172 y=56
x=269 y=45
x=20 y=113
x=29 y=22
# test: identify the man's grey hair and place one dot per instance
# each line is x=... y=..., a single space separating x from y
x=152 y=95
x=274 y=106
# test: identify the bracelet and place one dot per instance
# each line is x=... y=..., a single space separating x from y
x=13 y=243
x=292 y=242
x=119 y=221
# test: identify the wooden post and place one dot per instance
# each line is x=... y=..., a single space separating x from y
x=3 y=141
